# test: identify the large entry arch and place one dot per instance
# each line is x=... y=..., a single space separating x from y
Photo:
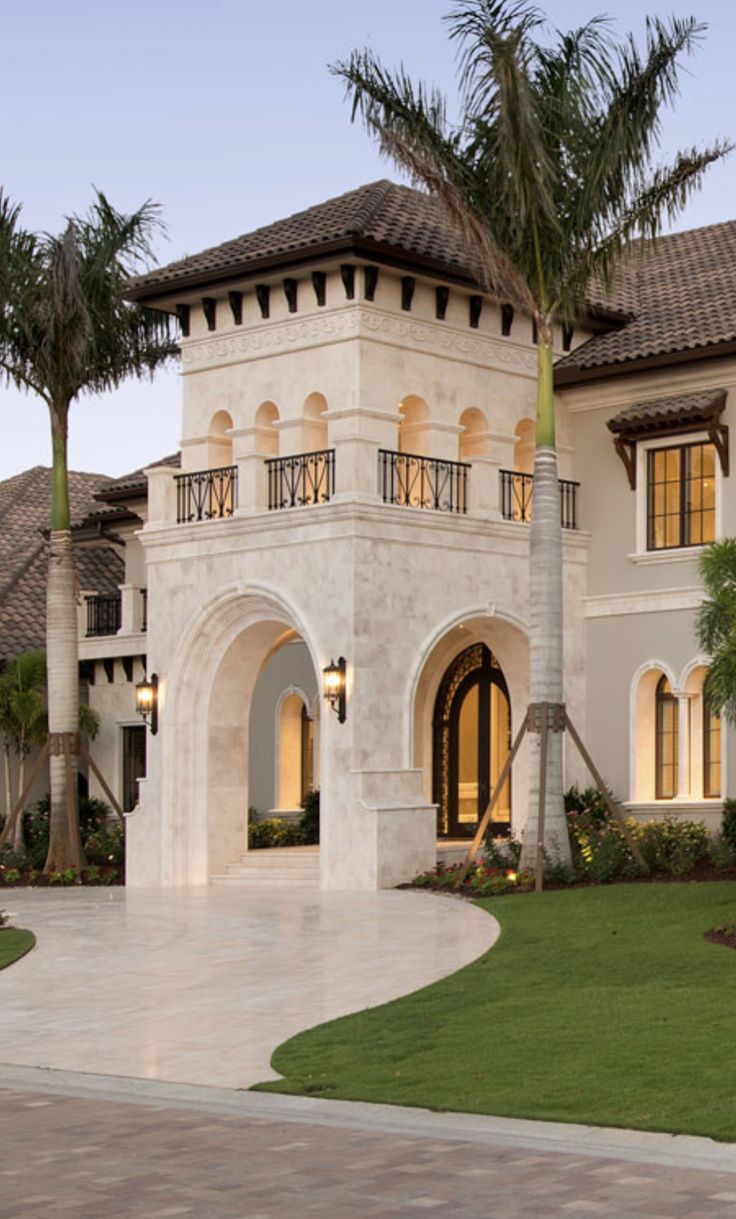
x=471 y=738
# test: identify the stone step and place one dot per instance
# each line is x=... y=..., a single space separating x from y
x=282 y=867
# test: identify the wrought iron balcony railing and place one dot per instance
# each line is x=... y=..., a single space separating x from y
x=103 y=615
x=206 y=495
x=517 y=493
x=412 y=481
x=301 y=480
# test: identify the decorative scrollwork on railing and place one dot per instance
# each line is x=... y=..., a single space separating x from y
x=302 y=480
x=517 y=493
x=411 y=481
x=206 y=495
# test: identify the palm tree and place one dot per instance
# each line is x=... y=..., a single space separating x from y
x=24 y=724
x=65 y=331
x=548 y=175
x=715 y=625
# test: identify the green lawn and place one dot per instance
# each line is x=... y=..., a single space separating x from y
x=14 y=944
x=603 y=1006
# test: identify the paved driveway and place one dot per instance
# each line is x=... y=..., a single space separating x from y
x=200 y=987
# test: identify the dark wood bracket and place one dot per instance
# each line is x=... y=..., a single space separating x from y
x=626 y=450
x=347 y=274
x=370 y=282
x=128 y=667
x=718 y=436
x=209 y=306
x=475 y=308
x=507 y=319
x=236 y=306
x=108 y=665
x=408 y=284
x=441 y=298
x=183 y=313
x=567 y=335
x=290 y=291
x=319 y=283
x=263 y=296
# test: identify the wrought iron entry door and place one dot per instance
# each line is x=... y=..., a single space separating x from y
x=471 y=739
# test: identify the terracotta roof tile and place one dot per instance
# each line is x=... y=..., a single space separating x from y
x=664 y=412
x=686 y=285
x=24 y=514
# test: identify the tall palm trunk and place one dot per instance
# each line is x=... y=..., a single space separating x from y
x=546 y=636
x=61 y=654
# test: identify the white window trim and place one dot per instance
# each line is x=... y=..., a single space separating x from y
x=676 y=440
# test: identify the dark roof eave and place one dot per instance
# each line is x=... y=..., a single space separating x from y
x=170 y=293
x=568 y=375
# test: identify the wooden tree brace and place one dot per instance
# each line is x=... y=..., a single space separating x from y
x=20 y=802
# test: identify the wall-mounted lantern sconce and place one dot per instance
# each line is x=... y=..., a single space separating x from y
x=333 y=685
x=146 y=701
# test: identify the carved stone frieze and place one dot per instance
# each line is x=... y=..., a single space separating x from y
x=438 y=339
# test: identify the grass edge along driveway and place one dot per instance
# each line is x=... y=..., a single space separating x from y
x=14 y=944
x=603 y=1006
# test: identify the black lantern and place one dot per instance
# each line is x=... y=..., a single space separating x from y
x=333 y=684
x=146 y=701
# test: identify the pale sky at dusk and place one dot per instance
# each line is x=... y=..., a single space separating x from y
x=224 y=112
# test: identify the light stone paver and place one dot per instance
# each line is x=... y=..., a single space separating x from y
x=201 y=986
x=128 y=992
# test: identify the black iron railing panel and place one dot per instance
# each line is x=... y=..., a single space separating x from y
x=206 y=495
x=517 y=493
x=411 y=481
x=103 y=615
x=301 y=480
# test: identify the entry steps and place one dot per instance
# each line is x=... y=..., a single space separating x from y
x=298 y=867
x=274 y=868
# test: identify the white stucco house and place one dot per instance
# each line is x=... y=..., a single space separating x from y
x=355 y=482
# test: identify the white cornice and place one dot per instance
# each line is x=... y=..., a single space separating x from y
x=359 y=322
x=654 y=601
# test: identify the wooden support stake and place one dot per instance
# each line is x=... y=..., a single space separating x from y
x=544 y=731
x=610 y=803
x=493 y=801
x=87 y=756
x=10 y=823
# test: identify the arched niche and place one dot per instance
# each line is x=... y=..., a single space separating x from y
x=314 y=424
x=413 y=429
x=524 y=447
x=644 y=742
x=267 y=416
x=291 y=745
x=219 y=440
x=474 y=440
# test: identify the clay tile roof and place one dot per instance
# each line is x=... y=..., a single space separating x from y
x=380 y=213
x=686 y=286
x=24 y=514
x=134 y=483
x=664 y=412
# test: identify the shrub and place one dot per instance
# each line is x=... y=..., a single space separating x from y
x=504 y=854
x=588 y=803
x=93 y=815
x=273 y=832
x=106 y=845
x=728 y=824
x=309 y=823
x=674 y=847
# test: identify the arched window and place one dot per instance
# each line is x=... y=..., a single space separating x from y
x=524 y=448
x=291 y=747
x=219 y=440
x=666 y=745
x=413 y=433
x=711 y=753
x=474 y=438
x=267 y=417
x=314 y=424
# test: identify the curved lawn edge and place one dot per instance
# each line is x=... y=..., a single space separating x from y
x=14 y=944
x=602 y=1007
